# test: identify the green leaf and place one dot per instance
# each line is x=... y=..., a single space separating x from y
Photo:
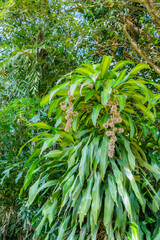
x=157 y=233
x=54 y=153
x=67 y=136
x=154 y=132
x=131 y=157
x=105 y=65
x=105 y=95
x=96 y=109
x=32 y=192
x=145 y=111
x=94 y=76
x=72 y=235
x=96 y=202
x=40 y=225
x=86 y=83
x=148 y=166
x=49 y=142
x=94 y=227
x=133 y=184
x=86 y=200
x=144 y=128
x=76 y=193
x=41 y=125
x=57 y=89
x=121 y=78
x=83 y=164
x=52 y=211
x=45 y=100
x=84 y=71
x=35 y=153
x=135 y=231
x=139 y=67
x=121 y=64
x=112 y=187
x=104 y=156
x=108 y=207
x=63 y=228
x=75 y=84
x=83 y=232
x=30 y=174
x=121 y=189
x=89 y=95
x=53 y=105
x=122 y=101
x=131 y=126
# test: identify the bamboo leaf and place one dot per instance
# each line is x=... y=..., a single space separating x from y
x=32 y=192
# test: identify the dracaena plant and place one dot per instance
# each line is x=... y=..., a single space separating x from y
x=97 y=181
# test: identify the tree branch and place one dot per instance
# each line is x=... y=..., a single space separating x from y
x=151 y=11
x=139 y=51
x=80 y=7
x=105 y=4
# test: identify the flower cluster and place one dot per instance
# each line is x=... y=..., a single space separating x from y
x=114 y=118
x=70 y=113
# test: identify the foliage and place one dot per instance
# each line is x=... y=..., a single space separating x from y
x=14 y=217
x=101 y=177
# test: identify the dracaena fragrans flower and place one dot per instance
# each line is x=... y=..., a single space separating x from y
x=69 y=111
x=114 y=119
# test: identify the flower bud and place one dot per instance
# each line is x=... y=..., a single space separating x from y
x=110 y=154
x=121 y=130
x=90 y=86
x=63 y=107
